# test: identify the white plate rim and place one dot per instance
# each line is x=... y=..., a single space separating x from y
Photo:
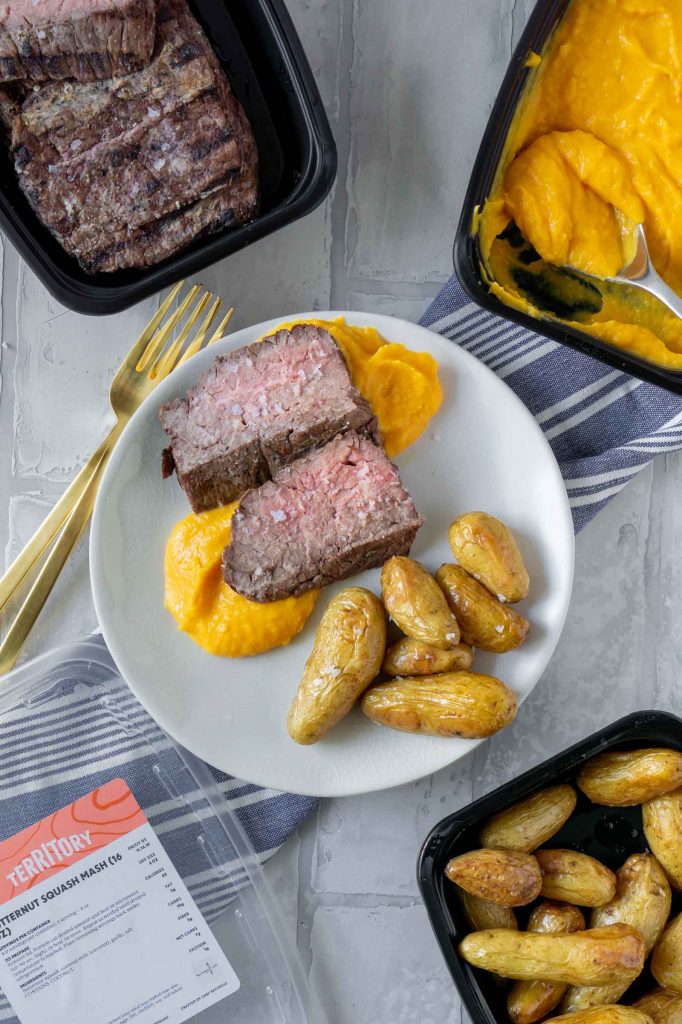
x=166 y=390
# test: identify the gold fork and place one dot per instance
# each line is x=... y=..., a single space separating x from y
x=149 y=361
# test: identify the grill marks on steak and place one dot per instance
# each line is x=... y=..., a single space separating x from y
x=82 y=39
x=337 y=511
x=257 y=409
x=120 y=171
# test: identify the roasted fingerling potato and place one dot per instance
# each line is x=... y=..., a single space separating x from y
x=599 y=956
x=531 y=1001
x=572 y=877
x=482 y=914
x=530 y=823
x=450 y=704
x=483 y=620
x=666 y=962
x=605 y=1015
x=410 y=657
x=416 y=603
x=663 y=1005
x=349 y=648
x=629 y=777
x=486 y=548
x=501 y=876
x=643 y=901
x=662 y=818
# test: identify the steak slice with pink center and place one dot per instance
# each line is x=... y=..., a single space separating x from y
x=334 y=513
x=256 y=410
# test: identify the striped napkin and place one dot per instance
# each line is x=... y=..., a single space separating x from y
x=85 y=728
x=603 y=425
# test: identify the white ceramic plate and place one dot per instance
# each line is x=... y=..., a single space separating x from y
x=482 y=451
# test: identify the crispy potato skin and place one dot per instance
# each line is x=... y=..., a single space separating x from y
x=599 y=956
x=485 y=547
x=410 y=657
x=482 y=914
x=662 y=819
x=504 y=877
x=531 y=1001
x=449 y=704
x=527 y=825
x=663 y=1005
x=643 y=901
x=629 y=777
x=605 y=1015
x=666 y=962
x=349 y=647
x=484 y=621
x=416 y=603
x=573 y=877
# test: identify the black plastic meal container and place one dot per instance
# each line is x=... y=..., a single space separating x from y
x=467 y=258
x=257 y=45
x=611 y=834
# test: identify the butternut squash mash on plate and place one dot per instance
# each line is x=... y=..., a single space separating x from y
x=403 y=389
x=595 y=148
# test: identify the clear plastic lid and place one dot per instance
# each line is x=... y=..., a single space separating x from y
x=72 y=736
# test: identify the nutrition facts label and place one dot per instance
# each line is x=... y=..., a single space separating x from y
x=96 y=925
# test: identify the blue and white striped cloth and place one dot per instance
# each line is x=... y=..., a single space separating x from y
x=85 y=729
x=603 y=425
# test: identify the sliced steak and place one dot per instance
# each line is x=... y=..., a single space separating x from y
x=336 y=512
x=256 y=410
x=82 y=39
x=119 y=170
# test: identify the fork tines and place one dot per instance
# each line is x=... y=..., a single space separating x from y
x=158 y=346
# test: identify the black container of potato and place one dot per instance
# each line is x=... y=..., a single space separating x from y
x=609 y=834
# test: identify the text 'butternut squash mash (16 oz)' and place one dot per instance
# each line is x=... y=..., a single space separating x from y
x=401 y=386
x=205 y=607
x=595 y=148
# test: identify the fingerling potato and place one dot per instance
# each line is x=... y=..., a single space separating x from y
x=502 y=876
x=599 y=956
x=483 y=620
x=662 y=819
x=643 y=901
x=449 y=704
x=663 y=1005
x=416 y=603
x=485 y=547
x=666 y=962
x=531 y=1001
x=410 y=657
x=573 y=877
x=527 y=825
x=349 y=647
x=482 y=914
x=628 y=777
x=605 y=1015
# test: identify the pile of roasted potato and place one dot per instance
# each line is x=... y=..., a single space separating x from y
x=558 y=962
x=423 y=681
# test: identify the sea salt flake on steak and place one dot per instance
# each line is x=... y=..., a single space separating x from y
x=257 y=409
x=345 y=509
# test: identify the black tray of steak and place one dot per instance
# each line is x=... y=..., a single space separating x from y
x=215 y=195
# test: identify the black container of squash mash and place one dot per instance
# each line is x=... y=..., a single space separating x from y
x=611 y=834
x=467 y=257
x=258 y=47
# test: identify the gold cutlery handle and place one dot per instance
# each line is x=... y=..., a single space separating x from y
x=48 y=530
x=76 y=521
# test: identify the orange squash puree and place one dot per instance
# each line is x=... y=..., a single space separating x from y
x=207 y=609
x=595 y=147
x=401 y=386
